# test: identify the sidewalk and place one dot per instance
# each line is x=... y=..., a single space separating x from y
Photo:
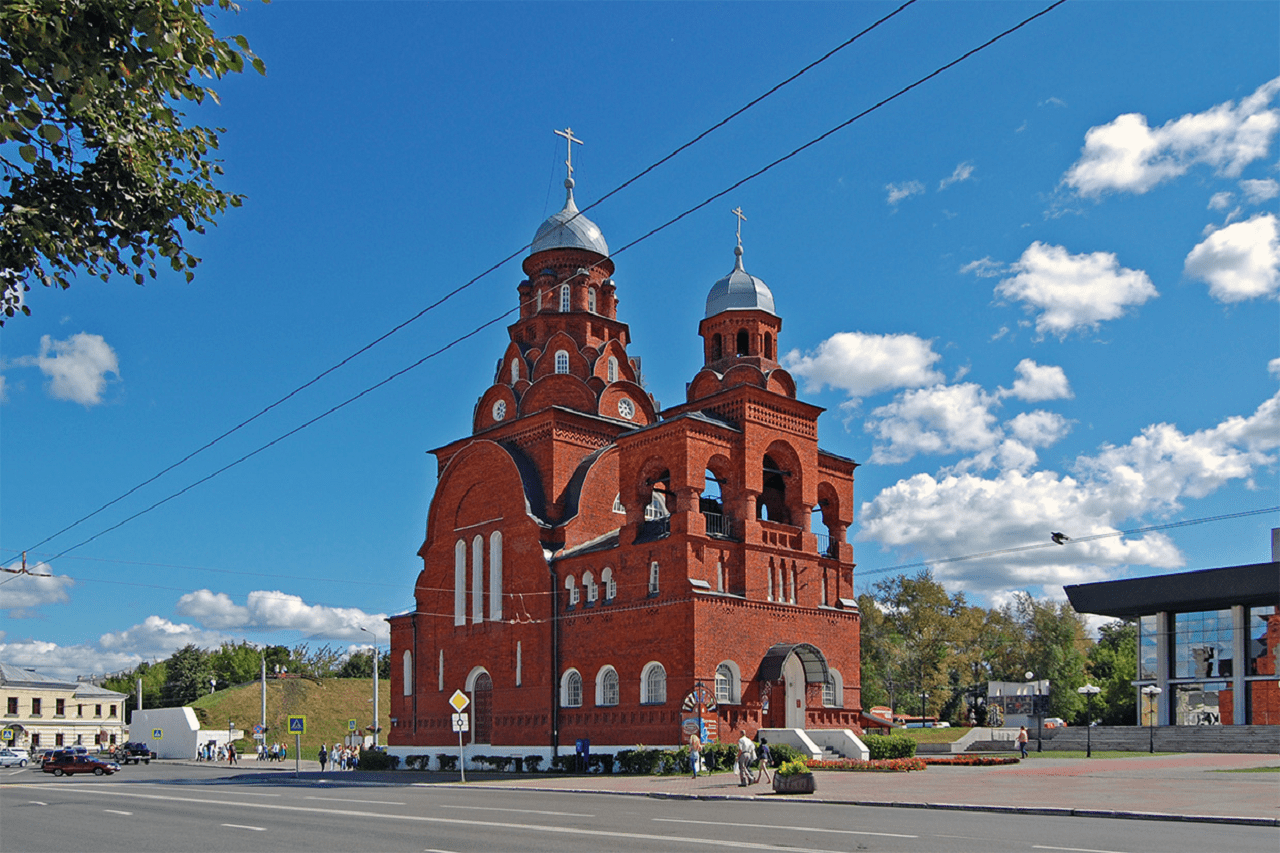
x=1159 y=787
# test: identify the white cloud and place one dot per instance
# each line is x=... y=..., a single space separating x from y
x=1221 y=201
x=1073 y=291
x=22 y=594
x=941 y=419
x=984 y=268
x=1273 y=367
x=954 y=514
x=863 y=364
x=77 y=367
x=1038 y=428
x=1240 y=261
x=156 y=636
x=275 y=611
x=1038 y=382
x=904 y=190
x=1127 y=155
x=963 y=172
x=1052 y=102
x=1259 y=191
x=66 y=661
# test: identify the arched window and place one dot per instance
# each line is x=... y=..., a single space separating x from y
x=589 y=583
x=653 y=578
x=613 y=369
x=564 y=297
x=607 y=686
x=495 y=576
x=768 y=345
x=617 y=505
x=571 y=587
x=477 y=579
x=515 y=370
x=539 y=300
x=591 y=299
x=406 y=673
x=653 y=685
x=571 y=690
x=609 y=584
x=792 y=597
x=833 y=690
x=717 y=348
x=743 y=341
x=460 y=583
x=562 y=361
x=724 y=684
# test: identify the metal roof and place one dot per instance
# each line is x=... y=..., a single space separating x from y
x=815 y=665
x=569 y=229
x=739 y=291
x=1255 y=585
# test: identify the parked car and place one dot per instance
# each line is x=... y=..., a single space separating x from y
x=132 y=752
x=1055 y=723
x=68 y=764
x=13 y=758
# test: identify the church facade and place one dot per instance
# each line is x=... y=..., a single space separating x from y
x=595 y=568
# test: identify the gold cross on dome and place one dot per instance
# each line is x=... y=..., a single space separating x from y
x=569 y=139
x=742 y=217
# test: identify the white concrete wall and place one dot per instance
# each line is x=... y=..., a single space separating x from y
x=179 y=728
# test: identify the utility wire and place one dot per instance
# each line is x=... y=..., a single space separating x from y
x=468 y=283
x=500 y=317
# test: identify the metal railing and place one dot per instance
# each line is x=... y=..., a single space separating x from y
x=719 y=525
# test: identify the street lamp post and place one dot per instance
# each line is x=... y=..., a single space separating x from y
x=1030 y=676
x=1089 y=691
x=1151 y=692
x=923 y=696
x=375 y=684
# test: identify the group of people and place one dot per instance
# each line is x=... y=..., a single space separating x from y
x=341 y=757
x=748 y=754
x=274 y=752
x=213 y=751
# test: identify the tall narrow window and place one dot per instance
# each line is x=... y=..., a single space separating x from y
x=519 y=663
x=495 y=576
x=724 y=684
x=610 y=585
x=771 y=580
x=591 y=299
x=719 y=577
x=653 y=578
x=613 y=369
x=477 y=579
x=571 y=590
x=742 y=341
x=768 y=345
x=460 y=583
x=571 y=696
x=539 y=300
x=653 y=685
x=793 y=584
x=564 y=297
x=717 y=350
x=607 y=687
x=515 y=371
x=589 y=583
x=562 y=361
x=406 y=674
x=440 y=672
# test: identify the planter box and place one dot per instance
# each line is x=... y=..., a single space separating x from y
x=801 y=783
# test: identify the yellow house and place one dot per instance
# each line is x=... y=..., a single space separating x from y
x=41 y=712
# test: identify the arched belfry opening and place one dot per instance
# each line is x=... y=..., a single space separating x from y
x=744 y=342
x=772 y=505
x=717 y=347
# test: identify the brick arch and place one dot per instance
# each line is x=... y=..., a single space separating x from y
x=780 y=381
x=614 y=348
x=512 y=353
x=654 y=469
x=558 y=389
x=546 y=363
x=706 y=383
x=645 y=413
x=782 y=493
x=744 y=374
x=484 y=408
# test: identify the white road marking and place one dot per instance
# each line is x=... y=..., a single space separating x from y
x=1075 y=849
x=776 y=826
x=470 y=823
x=242 y=826
x=38 y=803
x=344 y=800
x=522 y=811
x=116 y=811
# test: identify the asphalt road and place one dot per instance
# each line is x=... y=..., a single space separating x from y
x=205 y=809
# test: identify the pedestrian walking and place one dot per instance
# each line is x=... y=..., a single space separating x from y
x=765 y=757
x=695 y=753
x=746 y=753
x=1022 y=741
x=323 y=756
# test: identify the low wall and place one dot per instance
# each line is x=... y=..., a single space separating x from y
x=1247 y=739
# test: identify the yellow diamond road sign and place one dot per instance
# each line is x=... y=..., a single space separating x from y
x=459 y=701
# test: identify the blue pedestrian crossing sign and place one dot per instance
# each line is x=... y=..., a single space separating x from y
x=298 y=725
x=157 y=734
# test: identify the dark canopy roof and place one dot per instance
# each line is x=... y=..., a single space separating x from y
x=1255 y=585
x=815 y=665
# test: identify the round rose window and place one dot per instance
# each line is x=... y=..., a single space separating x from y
x=499 y=410
x=626 y=408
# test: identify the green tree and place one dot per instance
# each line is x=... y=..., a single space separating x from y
x=188 y=672
x=1113 y=666
x=101 y=173
x=1056 y=646
x=236 y=663
x=153 y=675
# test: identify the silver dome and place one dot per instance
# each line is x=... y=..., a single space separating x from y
x=569 y=229
x=739 y=291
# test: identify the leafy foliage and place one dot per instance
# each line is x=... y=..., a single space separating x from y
x=1113 y=666
x=100 y=170
x=889 y=746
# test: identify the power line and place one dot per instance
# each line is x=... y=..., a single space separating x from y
x=500 y=317
x=468 y=283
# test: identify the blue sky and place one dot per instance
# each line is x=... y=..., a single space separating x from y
x=1037 y=293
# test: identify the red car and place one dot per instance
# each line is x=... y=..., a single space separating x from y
x=68 y=764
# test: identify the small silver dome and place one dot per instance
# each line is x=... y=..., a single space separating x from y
x=739 y=291
x=569 y=229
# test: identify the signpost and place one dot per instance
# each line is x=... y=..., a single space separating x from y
x=461 y=723
x=157 y=734
x=297 y=725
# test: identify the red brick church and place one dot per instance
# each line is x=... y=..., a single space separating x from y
x=590 y=560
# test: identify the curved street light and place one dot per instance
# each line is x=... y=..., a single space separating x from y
x=1089 y=691
x=375 y=684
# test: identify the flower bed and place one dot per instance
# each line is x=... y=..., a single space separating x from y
x=888 y=765
x=974 y=760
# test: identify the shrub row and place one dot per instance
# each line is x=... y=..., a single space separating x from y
x=889 y=746
x=641 y=760
x=889 y=765
x=376 y=759
x=973 y=760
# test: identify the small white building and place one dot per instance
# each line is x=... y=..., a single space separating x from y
x=175 y=732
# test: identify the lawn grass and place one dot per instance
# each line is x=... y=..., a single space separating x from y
x=1251 y=770
x=949 y=735
x=327 y=703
